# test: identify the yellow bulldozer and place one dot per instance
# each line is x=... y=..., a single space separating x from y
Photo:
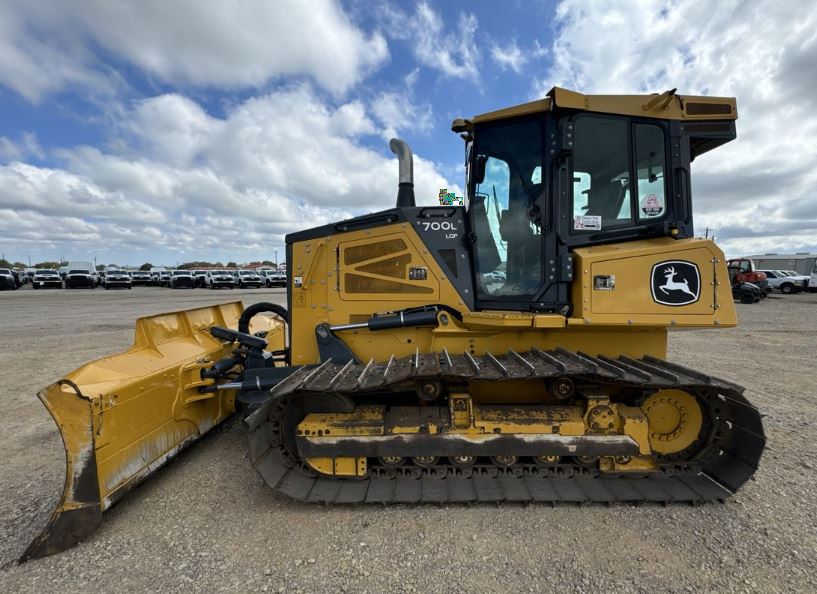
x=512 y=349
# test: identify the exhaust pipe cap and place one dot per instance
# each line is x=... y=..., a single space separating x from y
x=405 y=192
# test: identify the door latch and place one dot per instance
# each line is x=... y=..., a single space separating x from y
x=604 y=282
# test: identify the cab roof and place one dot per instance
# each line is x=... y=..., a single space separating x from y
x=666 y=106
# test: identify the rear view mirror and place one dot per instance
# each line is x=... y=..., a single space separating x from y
x=479 y=169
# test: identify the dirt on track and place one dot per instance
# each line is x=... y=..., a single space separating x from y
x=207 y=523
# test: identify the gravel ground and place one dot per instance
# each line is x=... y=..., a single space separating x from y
x=205 y=522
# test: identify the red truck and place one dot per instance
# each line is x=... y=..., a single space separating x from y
x=742 y=270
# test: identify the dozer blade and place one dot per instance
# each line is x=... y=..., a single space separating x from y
x=122 y=417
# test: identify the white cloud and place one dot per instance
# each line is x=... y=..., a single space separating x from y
x=509 y=57
x=172 y=128
x=411 y=79
x=55 y=191
x=45 y=47
x=351 y=120
x=9 y=150
x=26 y=146
x=37 y=59
x=453 y=53
x=185 y=183
x=759 y=185
x=397 y=111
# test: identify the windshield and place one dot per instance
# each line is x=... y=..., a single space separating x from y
x=79 y=272
x=5 y=271
x=247 y=273
x=181 y=273
x=47 y=273
x=218 y=272
x=509 y=244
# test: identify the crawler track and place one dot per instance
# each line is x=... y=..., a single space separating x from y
x=726 y=456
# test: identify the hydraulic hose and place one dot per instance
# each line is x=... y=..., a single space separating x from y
x=257 y=308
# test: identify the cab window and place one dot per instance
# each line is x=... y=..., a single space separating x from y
x=601 y=174
x=649 y=167
x=609 y=153
x=507 y=182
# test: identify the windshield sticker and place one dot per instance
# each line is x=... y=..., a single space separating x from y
x=652 y=205
x=587 y=223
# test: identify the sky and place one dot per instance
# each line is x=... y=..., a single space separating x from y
x=167 y=132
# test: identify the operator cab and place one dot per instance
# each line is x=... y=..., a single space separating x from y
x=572 y=170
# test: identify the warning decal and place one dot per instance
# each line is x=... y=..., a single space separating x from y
x=587 y=223
x=652 y=205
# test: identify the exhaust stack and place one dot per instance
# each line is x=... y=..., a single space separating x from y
x=405 y=193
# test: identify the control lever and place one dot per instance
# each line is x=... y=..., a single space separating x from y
x=248 y=340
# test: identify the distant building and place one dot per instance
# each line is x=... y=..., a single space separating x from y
x=803 y=262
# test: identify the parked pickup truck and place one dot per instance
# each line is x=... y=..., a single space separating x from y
x=807 y=279
x=159 y=276
x=117 y=279
x=46 y=279
x=248 y=278
x=140 y=277
x=277 y=278
x=182 y=279
x=220 y=278
x=200 y=278
x=785 y=284
x=80 y=277
x=7 y=280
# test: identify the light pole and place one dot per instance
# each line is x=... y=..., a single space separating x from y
x=275 y=251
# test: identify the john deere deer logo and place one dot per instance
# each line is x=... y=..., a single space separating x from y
x=675 y=283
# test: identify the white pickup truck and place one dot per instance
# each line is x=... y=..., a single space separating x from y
x=807 y=280
x=783 y=282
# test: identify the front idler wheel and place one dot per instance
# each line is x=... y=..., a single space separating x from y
x=675 y=420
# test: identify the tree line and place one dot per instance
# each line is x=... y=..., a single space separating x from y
x=204 y=264
x=146 y=266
